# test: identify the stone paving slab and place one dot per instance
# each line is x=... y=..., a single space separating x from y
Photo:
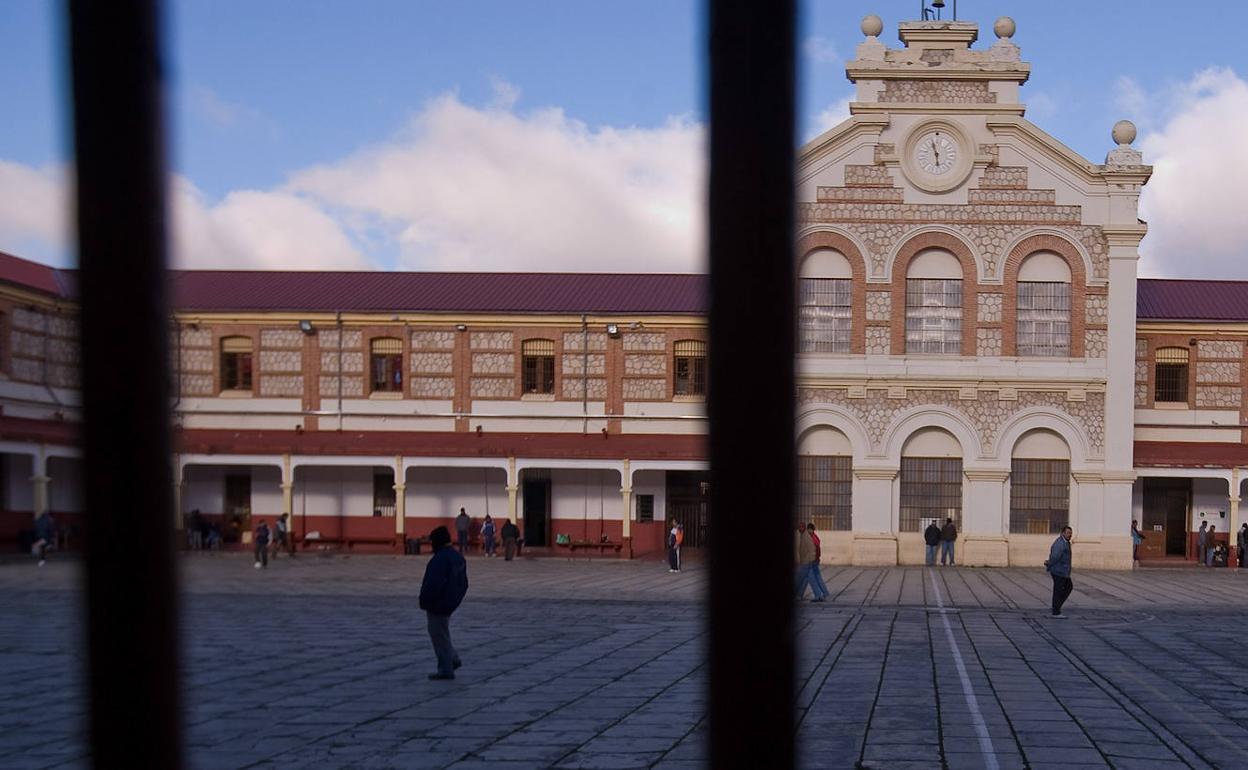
x=321 y=662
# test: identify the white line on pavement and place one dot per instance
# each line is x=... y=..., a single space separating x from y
x=972 y=703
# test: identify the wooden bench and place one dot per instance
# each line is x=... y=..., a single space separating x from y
x=591 y=544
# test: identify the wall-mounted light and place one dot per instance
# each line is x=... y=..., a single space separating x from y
x=305 y=326
x=461 y=327
x=636 y=325
x=613 y=330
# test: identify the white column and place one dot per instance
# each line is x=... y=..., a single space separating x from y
x=178 y=524
x=39 y=480
x=626 y=492
x=874 y=517
x=1124 y=243
x=985 y=517
x=513 y=486
x=1232 y=510
x=288 y=497
x=400 y=499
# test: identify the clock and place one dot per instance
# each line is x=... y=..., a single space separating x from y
x=937 y=157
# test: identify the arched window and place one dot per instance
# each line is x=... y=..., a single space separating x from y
x=824 y=480
x=1170 y=382
x=236 y=355
x=538 y=362
x=689 y=364
x=1043 y=316
x=931 y=480
x=386 y=365
x=934 y=304
x=824 y=303
x=1040 y=484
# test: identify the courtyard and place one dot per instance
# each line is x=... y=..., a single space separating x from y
x=321 y=661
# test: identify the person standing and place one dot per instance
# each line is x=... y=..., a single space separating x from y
x=261 y=537
x=817 y=586
x=511 y=534
x=806 y=564
x=948 y=535
x=1202 y=542
x=279 y=542
x=487 y=536
x=1137 y=537
x=931 y=536
x=45 y=537
x=1242 y=550
x=1058 y=565
x=195 y=530
x=441 y=592
x=673 y=555
x=680 y=542
x=462 y=525
x=1211 y=545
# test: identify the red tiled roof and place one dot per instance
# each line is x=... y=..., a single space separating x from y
x=32 y=275
x=1190 y=454
x=209 y=290
x=1165 y=299
x=430 y=444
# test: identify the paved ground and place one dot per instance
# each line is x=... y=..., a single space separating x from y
x=322 y=662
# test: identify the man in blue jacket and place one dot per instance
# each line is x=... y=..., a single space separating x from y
x=442 y=590
x=1058 y=566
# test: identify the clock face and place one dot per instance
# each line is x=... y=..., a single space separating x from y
x=936 y=153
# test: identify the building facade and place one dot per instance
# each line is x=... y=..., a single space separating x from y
x=968 y=349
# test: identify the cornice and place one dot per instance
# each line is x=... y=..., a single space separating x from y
x=1041 y=140
x=934 y=108
x=854 y=127
x=876 y=474
x=442 y=320
x=985 y=474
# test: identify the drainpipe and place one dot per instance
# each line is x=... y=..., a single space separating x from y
x=584 y=375
x=47 y=332
x=340 y=372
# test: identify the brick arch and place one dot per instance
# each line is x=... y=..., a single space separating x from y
x=970 y=287
x=824 y=239
x=1078 y=290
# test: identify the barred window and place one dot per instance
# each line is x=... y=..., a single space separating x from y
x=931 y=490
x=1039 y=496
x=824 y=315
x=825 y=491
x=934 y=315
x=1170 y=384
x=690 y=367
x=1043 y=318
x=236 y=363
x=538 y=362
x=386 y=365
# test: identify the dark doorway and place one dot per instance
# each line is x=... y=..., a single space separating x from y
x=1166 y=503
x=689 y=502
x=536 y=510
x=237 y=506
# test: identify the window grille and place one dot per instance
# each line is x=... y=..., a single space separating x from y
x=1039 y=496
x=386 y=365
x=690 y=367
x=385 y=497
x=1170 y=385
x=538 y=363
x=824 y=315
x=236 y=363
x=1043 y=318
x=645 y=507
x=931 y=490
x=825 y=491
x=934 y=315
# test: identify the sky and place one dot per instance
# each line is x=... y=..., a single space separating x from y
x=569 y=135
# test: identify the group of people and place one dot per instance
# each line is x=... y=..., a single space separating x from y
x=509 y=532
x=1209 y=552
x=944 y=538
x=265 y=540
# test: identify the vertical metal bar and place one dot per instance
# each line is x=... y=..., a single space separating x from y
x=131 y=587
x=751 y=387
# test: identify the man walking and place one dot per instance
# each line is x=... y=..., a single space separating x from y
x=948 y=534
x=45 y=537
x=511 y=534
x=462 y=523
x=1058 y=566
x=806 y=564
x=673 y=549
x=1211 y=544
x=279 y=542
x=1137 y=537
x=817 y=586
x=261 y=537
x=931 y=536
x=1202 y=542
x=441 y=592
x=1242 y=552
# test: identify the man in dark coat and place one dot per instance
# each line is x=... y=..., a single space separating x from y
x=442 y=590
x=1243 y=545
x=462 y=525
x=261 y=537
x=1058 y=565
x=511 y=535
x=948 y=534
x=931 y=537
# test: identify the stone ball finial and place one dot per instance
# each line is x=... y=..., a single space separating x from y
x=872 y=25
x=1124 y=132
x=1004 y=27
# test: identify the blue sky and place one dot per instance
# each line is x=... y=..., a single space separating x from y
x=278 y=107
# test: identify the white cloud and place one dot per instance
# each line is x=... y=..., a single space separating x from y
x=34 y=210
x=1194 y=201
x=827 y=118
x=467 y=188
x=820 y=50
x=222 y=114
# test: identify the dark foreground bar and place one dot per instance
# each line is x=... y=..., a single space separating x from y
x=751 y=387
x=119 y=146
